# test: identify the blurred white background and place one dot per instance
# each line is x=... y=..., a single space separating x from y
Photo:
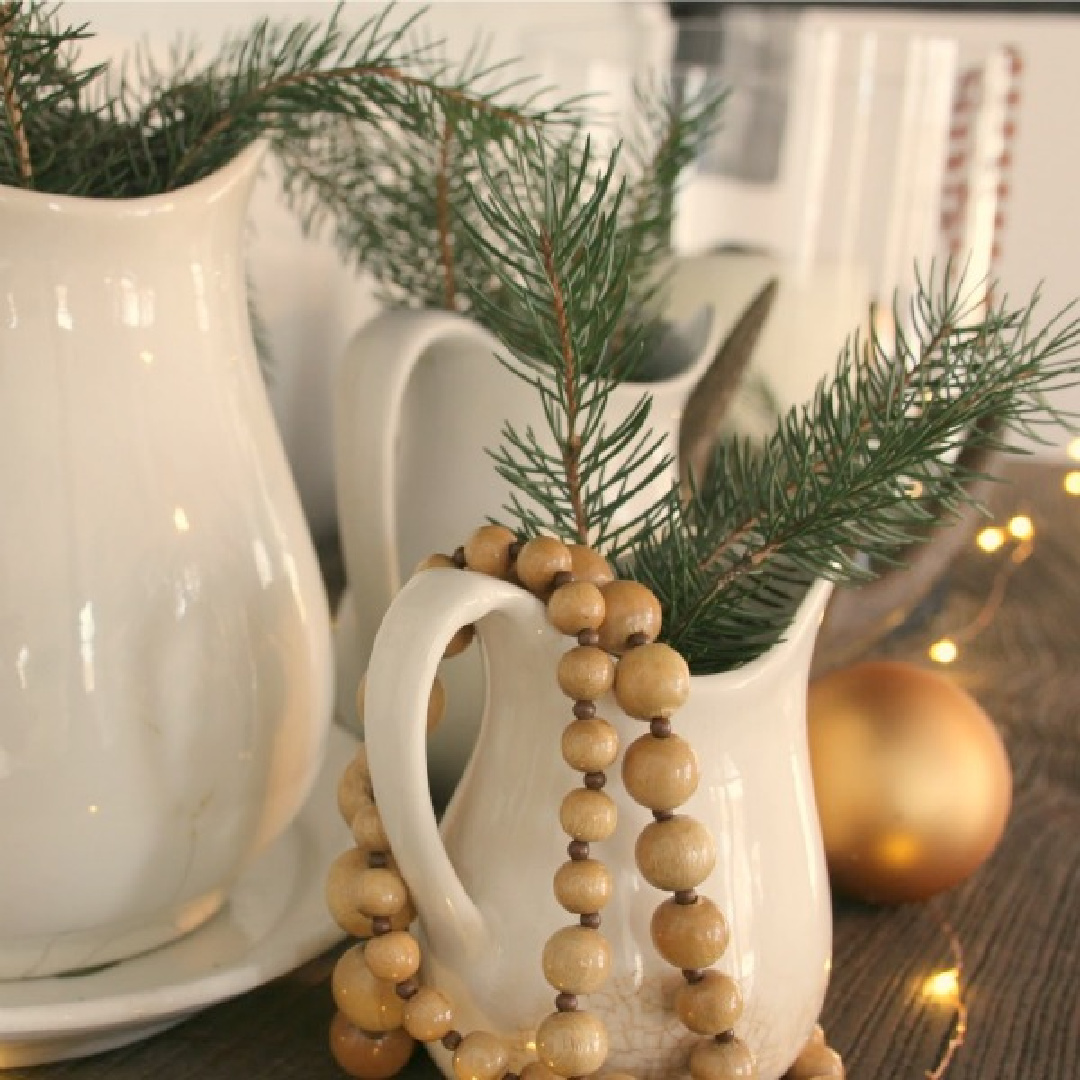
x=311 y=304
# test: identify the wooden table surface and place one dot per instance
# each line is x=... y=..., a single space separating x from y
x=1018 y=918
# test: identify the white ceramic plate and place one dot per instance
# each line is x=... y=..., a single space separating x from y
x=275 y=919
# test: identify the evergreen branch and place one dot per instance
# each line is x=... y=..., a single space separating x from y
x=863 y=467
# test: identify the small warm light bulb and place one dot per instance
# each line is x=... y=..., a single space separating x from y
x=1073 y=449
x=944 y=651
x=1021 y=527
x=990 y=539
x=942 y=987
x=180 y=520
x=1072 y=482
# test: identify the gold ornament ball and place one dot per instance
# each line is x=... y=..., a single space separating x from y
x=912 y=780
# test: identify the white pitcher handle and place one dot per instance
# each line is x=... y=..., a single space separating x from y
x=419 y=624
x=371 y=383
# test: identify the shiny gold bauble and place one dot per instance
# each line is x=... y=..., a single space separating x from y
x=912 y=781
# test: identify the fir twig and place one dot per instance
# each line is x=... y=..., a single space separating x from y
x=443 y=215
x=862 y=468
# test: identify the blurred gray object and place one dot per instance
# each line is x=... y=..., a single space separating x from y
x=754 y=46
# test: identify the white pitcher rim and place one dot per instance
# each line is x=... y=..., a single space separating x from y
x=211 y=187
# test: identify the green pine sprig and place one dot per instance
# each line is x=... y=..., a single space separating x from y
x=557 y=254
x=868 y=466
x=101 y=131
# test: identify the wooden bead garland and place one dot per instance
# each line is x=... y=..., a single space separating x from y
x=382 y=1008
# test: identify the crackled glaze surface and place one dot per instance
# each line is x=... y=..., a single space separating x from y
x=164 y=636
x=484 y=887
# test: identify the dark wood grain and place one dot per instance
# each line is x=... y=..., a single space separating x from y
x=1018 y=918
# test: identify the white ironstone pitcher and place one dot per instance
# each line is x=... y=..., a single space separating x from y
x=483 y=887
x=164 y=633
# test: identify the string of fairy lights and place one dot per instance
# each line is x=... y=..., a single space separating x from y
x=1018 y=535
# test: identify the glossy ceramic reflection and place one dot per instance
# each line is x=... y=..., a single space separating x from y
x=164 y=634
x=484 y=887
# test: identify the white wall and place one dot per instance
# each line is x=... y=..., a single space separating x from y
x=311 y=305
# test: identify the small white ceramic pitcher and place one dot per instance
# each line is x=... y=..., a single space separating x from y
x=483 y=888
x=421 y=398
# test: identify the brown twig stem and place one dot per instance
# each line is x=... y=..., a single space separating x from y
x=571 y=451
x=12 y=106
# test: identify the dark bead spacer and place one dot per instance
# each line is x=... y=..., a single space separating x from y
x=660 y=727
x=584 y=710
x=561 y=578
x=380 y=924
x=686 y=897
x=588 y=637
x=595 y=781
x=566 y=1002
x=407 y=988
x=663 y=815
x=514 y=550
x=459 y=558
x=726 y=1036
x=511 y=1076
x=636 y=640
x=578 y=850
x=451 y=1040
x=590 y=920
x=377 y=860
x=693 y=975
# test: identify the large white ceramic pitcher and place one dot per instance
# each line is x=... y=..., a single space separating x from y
x=483 y=888
x=164 y=633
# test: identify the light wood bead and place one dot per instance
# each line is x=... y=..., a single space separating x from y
x=589 y=565
x=367 y=828
x=653 y=680
x=379 y=892
x=660 y=773
x=689 y=935
x=354 y=787
x=583 y=886
x=585 y=673
x=438 y=561
x=436 y=706
x=366 y=1056
x=340 y=890
x=711 y=1005
x=588 y=815
x=537 y=1070
x=577 y=960
x=488 y=550
x=617 y=1076
x=676 y=854
x=576 y=607
x=539 y=560
x=572 y=1043
x=394 y=956
x=816 y=1060
x=630 y=608
x=459 y=642
x=428 y=1015
x=481 y=1056
x=369 y=1003
x=590 y=745
x=712 y=1060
